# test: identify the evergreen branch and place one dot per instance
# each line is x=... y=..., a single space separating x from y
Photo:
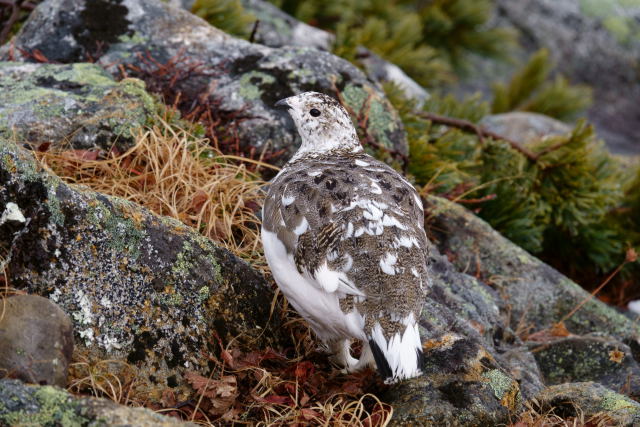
x=553 y=147
x=482 y=133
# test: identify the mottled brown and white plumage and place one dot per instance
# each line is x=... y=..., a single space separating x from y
x=343 y=235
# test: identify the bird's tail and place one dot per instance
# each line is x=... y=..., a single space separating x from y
x=401 y=356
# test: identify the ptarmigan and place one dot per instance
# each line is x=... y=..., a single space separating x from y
x=343 y=235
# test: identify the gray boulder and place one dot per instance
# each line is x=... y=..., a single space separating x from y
x=533 y=295
x=242 y=80
x=524 y=127
x=36 y=340
x=599 y=359
x=277 y=28
x=140 y=288
x=78 y=104
x=22 y=405
x=593 y=401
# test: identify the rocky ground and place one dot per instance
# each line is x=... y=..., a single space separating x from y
x=503 y=331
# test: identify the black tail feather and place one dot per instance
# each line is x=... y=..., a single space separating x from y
x=420 y=356
x=381 y=362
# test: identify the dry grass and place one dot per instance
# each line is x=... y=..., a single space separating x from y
x=174 y=173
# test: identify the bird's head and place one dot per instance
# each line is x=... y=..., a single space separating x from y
x=323 y=124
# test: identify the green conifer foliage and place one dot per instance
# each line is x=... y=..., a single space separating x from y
x=531 y=90
x=429 y=40
x=226 y=15
x=557 y=205
x=458 y=27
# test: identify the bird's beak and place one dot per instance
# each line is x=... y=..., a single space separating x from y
x=283 y=103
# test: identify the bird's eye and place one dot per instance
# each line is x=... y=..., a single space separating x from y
x=314 y=112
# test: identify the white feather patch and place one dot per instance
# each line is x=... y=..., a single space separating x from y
x=302 y=227
x=401 y=351
x=387 y=263
x=287 y=200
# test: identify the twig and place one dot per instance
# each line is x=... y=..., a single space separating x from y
x=13 y=18
x=482 y=133
x=252 y=37
x=631 y=256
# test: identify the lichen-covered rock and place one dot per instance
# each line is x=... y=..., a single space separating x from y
x=22 y=405
x=590 y=400
x=277 y=28
x=524 y=127
x=78 y=104
x=36 y=340
x=140 y=288
x=242 y=79
x=599 y=359
x=533 y=294
x=477 y=370
x=384 y=71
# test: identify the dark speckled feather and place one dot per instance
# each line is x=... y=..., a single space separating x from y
x=330 y=192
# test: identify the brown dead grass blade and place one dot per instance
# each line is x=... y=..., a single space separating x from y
x=176 y=174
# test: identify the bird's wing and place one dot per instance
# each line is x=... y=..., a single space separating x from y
x=334 y=220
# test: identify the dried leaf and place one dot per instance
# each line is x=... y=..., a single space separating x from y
x=304 y=399
x=560 y=330
x=278 y=400
x=168 y=399
x=198 y=200
x=616 y=356
x=304 y=370
x=555 y=331
x=38 y=56
x=87 y=154
x=309 y=414
x=228 y=359
x=222 y=393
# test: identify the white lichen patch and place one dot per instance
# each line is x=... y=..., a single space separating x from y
x=108 y=343
x=12 y=213
x=84 y=316
x=55 y=295
x=87 y=335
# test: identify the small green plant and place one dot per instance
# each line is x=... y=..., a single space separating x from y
x=530 y=89
x=226 y=15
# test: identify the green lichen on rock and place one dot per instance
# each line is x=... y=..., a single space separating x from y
x=251 y=84
x=45 y=406
x=78 y=104
x=590 y=400
x=499 y=382
x=49 y=406
x=125 y=235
